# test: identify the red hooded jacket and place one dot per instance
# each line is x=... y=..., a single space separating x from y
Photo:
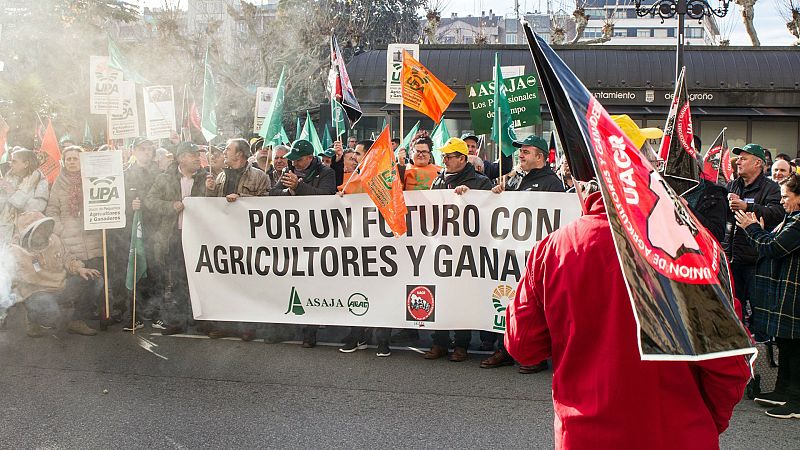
x=572 y=305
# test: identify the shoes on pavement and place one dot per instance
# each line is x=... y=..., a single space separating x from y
x=406 y=336
x=353 y=346
x=159 y=325
x=436 y=352
x=383 y=349
x=80 y=327
x=35 y=330
x=498 y=359
x=790 y=410
x=535 y=368
x=310 y=336
x=459 y=354
x=169 y=330
x=138 y=325
x=248 y=335
x=771 y=399
x=309 y=343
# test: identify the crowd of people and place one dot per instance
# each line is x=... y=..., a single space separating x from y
x=59 y=265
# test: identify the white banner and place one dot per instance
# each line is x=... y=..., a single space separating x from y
x=125 y=124
x=331 y=260
x=103 y=190
x=159 y=111
x=394 y=69
x=264 y=96
x=104 y=86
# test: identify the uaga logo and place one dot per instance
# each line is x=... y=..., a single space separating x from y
x=421 y=303
x=102 y=190
x=357 y=304
x=501 y=297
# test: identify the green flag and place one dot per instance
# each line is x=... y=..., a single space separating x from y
x=208 y=123
x=273 y=122
x=409 y=137
x=383 y=127
x=439 y=136
x=310 y=134
x=284 y=138
x=502 y=112
x=137 y=249
x=116 y=60
x=299 y=129
x=337 y=118
x=327 y=141
x=87 y=134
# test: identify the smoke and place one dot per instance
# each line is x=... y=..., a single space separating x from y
x=7 y=269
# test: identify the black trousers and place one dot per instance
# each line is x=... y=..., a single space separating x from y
x=788 y=381
x=442 y=338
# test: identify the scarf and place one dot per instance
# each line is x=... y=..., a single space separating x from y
x=74 y=193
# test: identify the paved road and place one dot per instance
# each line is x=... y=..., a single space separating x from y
x=187 y=392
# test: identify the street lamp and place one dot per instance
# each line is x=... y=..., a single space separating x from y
x=695 y=9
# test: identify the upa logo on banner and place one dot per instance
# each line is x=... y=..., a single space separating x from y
x=357 y=304
x=421 y=303
x=102 y=190
x=501 y=297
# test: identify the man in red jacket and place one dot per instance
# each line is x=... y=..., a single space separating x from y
x=578 y=312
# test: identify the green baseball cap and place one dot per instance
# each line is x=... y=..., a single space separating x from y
x=330 y=153
x=300 y=148
x=534 y=141
x=186 y=147
x=754 y=149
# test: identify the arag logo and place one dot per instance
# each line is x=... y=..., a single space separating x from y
x=421 y=303
x=102 y=190
x=358 y=304
x=501 y=297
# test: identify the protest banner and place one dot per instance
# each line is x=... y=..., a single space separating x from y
x=523 y=99
x=159 y=111
x=394 y=70
x=264 y=96
x=333 y=260
x=103 y=190
x=125 y=123
x=104 y=87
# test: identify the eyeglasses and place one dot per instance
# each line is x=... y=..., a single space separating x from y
x=422 y=152
x=452 y=155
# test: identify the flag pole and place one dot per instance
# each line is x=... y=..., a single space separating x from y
x=105 y=275
x=402 y=98
x=135 y=278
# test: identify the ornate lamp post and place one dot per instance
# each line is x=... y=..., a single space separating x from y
x=695 y=9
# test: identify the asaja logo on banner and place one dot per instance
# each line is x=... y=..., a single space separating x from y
x=357 y=304
x=421 y=303
x=102 y=190
x=501 y=296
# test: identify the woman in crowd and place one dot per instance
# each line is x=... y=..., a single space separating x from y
x=23 y=189
x=777 y=311
x=66 y=209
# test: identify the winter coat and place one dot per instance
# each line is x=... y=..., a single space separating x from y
x=766 y=203
x=544 y=180
x=31 y=194
x=84 y=245
x=166 y=190
x=604 y=395
x=319 y=180
x=468 y=177
x=53 y=262
x=776 y=305
x=710 y=205
x=138 y=181
x=252 y=183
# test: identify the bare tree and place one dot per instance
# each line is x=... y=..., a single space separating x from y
x=581 y=20
x=790 y=12
x=747 y=16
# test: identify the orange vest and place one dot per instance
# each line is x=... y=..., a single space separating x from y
x=420 y=178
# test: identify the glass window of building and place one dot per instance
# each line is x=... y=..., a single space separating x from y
x=736 y=134
x=777 y=137
x=511 y=38
x=660 y=32
x=644 y=32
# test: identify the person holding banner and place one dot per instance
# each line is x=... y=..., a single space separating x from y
x=460 y=176
x=419 y=175
x=490 y=168
x=776 y=310
x=165 y=199
x=24 y=188
x=279 y=162
x=604 y=394
x=239 y=178
x=308 y=176
x=65 y=206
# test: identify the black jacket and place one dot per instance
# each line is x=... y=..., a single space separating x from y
x=766 y=203
x=543 y=179
x=320 y=180
x=467 y=177
x=709 y=203
x=138 y=181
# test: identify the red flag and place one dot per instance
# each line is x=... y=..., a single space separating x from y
x=380 y=180
x=51 y=164
x=725 y=164
x=340 y=86
x=681 y=165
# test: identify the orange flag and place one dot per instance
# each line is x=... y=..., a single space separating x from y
x=51 y=165
x=422 y=91
x=379 y=179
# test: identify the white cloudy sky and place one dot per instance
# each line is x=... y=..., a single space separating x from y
x=770 y=25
